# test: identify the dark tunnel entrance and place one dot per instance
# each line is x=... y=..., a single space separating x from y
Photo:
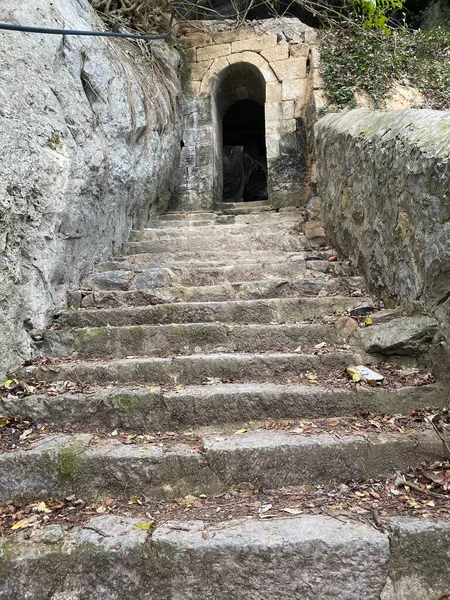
x=244 y=152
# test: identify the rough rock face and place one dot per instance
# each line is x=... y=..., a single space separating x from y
x=90 y=135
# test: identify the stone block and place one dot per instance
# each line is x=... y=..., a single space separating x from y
x=298 y=50
x=273 y=128
x=253 y=58
x=272 y=146
x=407 y=336
x=220 y=64
x=292 y=68
x=212 y=52
x=273 y=112
x=255 y=44
x=208 y=82
x=194 y=87
x=299 y=105
x=236 y=57
x=315 y=58
x=225 y=37
x=317 y=81
x=320 y=100
x=306 y=557
x=199 y=70
x=268 y=74
x=288 y=109
x=279 y=52
x=288 y=126
x=294 y=89
x=197 y=40
x=273 y=92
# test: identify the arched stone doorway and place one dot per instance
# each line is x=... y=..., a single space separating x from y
x=228 y=71
x=240 y=98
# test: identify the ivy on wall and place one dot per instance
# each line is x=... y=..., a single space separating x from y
x=355 y=60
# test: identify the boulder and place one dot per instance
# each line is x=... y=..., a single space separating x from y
x=409 y=336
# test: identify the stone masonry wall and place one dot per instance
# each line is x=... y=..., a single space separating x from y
x=383 y=181
x=283 y=52
x=90 y=140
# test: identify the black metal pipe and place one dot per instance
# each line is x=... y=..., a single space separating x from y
x=49 y=31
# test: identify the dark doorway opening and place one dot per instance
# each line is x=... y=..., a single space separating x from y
x=244 y=152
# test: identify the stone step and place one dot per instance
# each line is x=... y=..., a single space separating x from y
x=187 y=216
x=272 y=310
x=211 y=257
x=308 y=557
x=278 y=242
x=228 y=230
x=185 y=338
x=191 y=220
x=59 y=465
x=153 y=409
x=137 y=294
x=193 y=369
x=247 y=205
x=140 y=272
x=247 y=210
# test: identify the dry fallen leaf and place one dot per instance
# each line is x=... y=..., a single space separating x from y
x=20 y=524
x=145 y=526
x=134 y=500
x=292 y=511
x=42 y=507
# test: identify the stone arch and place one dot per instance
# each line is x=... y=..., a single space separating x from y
x=239 y=76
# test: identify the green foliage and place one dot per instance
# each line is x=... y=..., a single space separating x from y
x=376 y=12
x=361 y=61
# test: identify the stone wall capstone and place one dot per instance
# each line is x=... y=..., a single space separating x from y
x=90 y=138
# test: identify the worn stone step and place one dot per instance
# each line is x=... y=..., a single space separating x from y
x=279 y=242
x=230 y=231
x=212 y=257
x=185 y=338
x=140 y=274
x=244 y=211
x=249 y=205
x=61 y=465
x=152 y=409
x=194 y=369
x=271 y=310
x=306 y=557
x=192 y=220
x=187 y=216
x=137 y=294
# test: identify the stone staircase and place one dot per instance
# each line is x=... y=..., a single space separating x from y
x=206 y=364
